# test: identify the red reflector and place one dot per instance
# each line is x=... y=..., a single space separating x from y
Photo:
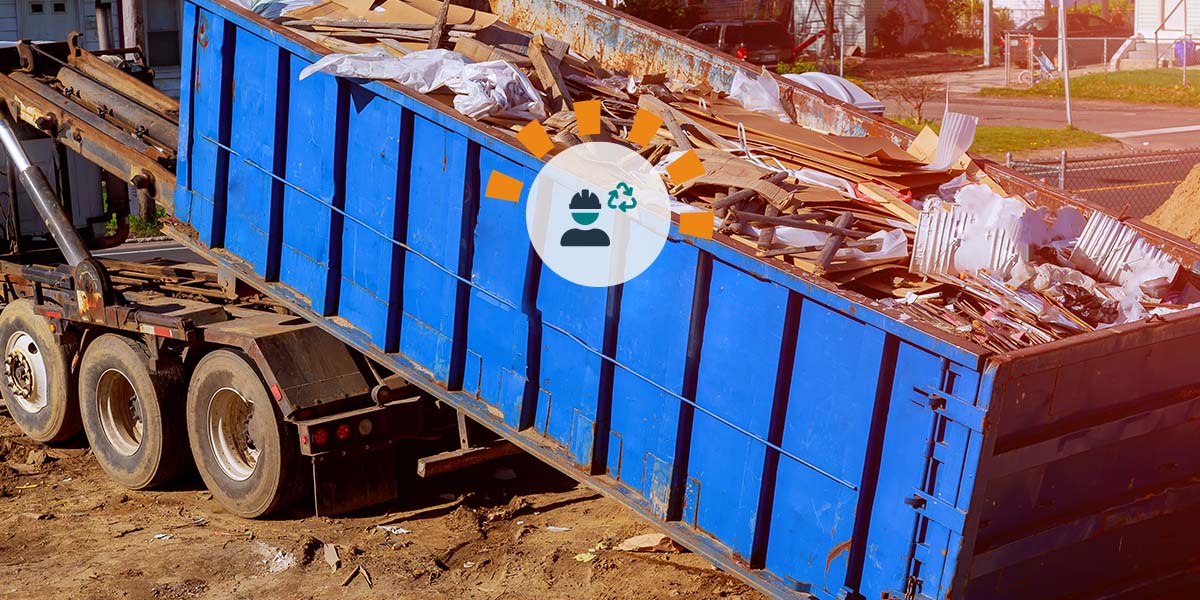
x=743 y=53
x=275 y=392
x=320 y=437
x=53 y=315
x=162 y=331
x=343 y=432
x=303 y=439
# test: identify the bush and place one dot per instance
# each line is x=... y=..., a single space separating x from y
x=889 y=29
x=913 y=92
x=800 y=66
x=668 y=14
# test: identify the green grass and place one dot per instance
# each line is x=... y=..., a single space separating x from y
x=995 y=140
x=139 y=227
x=1151 y=86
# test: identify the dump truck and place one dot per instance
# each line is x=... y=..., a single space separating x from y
x=358 y=291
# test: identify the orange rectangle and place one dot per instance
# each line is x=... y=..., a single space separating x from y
x=685 y=168
x=645 y=125
x=587 y=116
x=697 y=224
x=503 y=187
x=533 y=136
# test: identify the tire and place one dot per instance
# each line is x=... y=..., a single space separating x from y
x=227 y=401
x=1025 y=77
x=37 y=385
x=133 y=418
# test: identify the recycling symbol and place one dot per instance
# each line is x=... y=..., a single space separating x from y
x=628 y=202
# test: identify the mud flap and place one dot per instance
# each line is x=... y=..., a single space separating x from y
x=353 y=479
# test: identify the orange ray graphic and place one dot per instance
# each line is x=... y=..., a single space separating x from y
x=587 y=115
x=503 y=187
x=697 y=224
x=645 y=125
x=685 y=168
x=533 y=137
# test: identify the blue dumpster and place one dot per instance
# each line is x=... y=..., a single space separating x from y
x=802 y=437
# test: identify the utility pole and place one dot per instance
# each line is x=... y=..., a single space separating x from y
x=1064 y=61
x=133 y=23
x=829 y=50
x=987 y=33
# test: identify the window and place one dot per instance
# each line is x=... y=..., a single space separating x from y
x=733 y=37
x=705 y=34
x=767 y=35
x=37 y=8
x=60 y=7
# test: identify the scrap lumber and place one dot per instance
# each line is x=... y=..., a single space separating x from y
x=545 y=63
x=439 y=26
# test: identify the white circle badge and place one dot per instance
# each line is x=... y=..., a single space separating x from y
x=598 y=214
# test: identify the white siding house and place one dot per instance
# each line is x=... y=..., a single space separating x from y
x=1149 y=16
x=857 y=20
x=48 y=20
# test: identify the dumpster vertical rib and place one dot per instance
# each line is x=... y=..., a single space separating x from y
x=779 y=408
x=533 y=344
x=337 y=220
x=400 y=232
x=874 y=457
x=279 y=166
x=691 y=375
x=604 y=396
x=466 y=254
x=220 y=197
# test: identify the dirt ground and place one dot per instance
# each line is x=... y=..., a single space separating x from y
x=490 y=532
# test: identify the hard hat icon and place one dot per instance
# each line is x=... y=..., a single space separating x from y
x=585 y=200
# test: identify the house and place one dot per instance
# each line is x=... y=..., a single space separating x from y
x=53 y=20
x=1169 y=18
x=859 y=20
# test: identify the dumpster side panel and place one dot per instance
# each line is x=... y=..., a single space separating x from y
x=254 y=137
x=439 y=211
x=378 y=154
x=653 y=347
x=315 y=170
x=1093 y=474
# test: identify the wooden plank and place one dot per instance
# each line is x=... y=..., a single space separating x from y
x=435 y=34
x=545 y=64
x=460 y=459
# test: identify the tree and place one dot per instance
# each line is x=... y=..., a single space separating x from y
x=669 y=14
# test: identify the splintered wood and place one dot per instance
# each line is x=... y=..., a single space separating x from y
x=842 y=209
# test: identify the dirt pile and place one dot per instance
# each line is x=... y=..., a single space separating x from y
x=1180 y=214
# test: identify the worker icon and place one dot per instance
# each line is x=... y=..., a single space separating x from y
x=585 y=209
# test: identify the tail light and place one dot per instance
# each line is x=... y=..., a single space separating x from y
x=743 y=53
x=320 y=437
x=343 y=432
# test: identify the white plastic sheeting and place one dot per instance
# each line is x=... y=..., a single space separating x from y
x=759 y=94
x=839 y=88
x=491 y=88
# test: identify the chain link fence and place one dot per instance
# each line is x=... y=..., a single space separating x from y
x=1136 y=183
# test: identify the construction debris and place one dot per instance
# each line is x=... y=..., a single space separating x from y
x=917 y=228
x=649 y=542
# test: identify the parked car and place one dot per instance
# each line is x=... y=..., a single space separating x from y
x=1085 y=38
x=759 y=42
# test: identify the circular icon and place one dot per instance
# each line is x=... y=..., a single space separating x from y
x=598 y=214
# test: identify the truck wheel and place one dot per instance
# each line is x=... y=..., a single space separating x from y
x=245 y=453
x=133 y=418
x=35 y=385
